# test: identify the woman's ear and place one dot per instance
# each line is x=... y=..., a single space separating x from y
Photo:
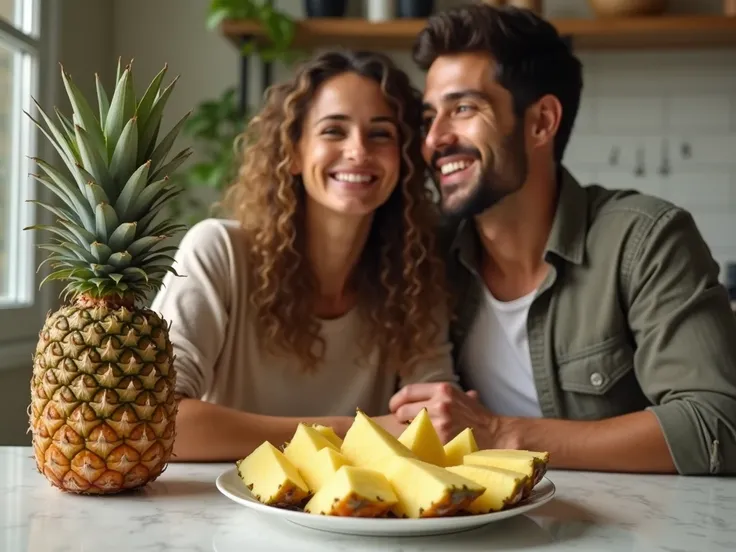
x=546 y=119
x=296 y=164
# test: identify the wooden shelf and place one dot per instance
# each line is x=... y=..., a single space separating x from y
x=681 y=31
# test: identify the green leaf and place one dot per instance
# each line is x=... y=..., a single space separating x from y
x=121 y=259
x=155 y=257
x=149 y=96
x=68 y=128
x=106 y=221
x=133 y=187
x=58 y=141
x=103 y=103
x=123 y=236
x=93 y=163
x=144 y=244
x=149 y=129
x=63 y=232
x=87 y=119
x=101 y=252
x=163 y=148
x=69 y=250
x=83 y=235
x=125 y=156
x=85 y=218
x=60 y=212
x=166 y=229
x=134 y=274
x=172 y=165
x=116 y=277
x=116 y=114
x=146 y=198
x=95 y=195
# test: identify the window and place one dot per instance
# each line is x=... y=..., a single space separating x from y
x=22 y=55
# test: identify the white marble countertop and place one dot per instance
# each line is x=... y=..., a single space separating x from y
x=184 y=512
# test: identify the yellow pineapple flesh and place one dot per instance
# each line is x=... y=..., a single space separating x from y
x=425 y=490
x=353 y=492
x=272 y=478
x=329 y=434
x=504 y=488
x=421 y=438
x=366 y=442
x=463 y=443
x=530 y=463
x=302 y=451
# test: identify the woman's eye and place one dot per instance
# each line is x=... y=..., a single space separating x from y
x=464 y=108
x=332 y=131
x=382 y=134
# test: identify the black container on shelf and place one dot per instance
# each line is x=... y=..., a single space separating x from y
x=325 y=8
x=414 y=8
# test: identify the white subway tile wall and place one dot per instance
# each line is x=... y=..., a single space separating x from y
x=664 y=123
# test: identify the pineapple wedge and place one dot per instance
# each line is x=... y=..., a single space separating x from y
x=503 y=487
x=425 y=490
x=530 y=463
x=463 y=443
x=329 y=434
x=366 y=442
x=272 y=478
x=421 y=438
x=302 y=451
x=353 y=492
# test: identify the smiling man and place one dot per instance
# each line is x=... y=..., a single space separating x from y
x=590 y=321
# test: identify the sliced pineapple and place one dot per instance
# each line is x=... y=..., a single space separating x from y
x=366 y=442
x=425 y=490
x=503 y=487
x=421 y=438
x=272 y=478
x=329 y=434
x=530 y=463
x=353 y=492
x=463 y=443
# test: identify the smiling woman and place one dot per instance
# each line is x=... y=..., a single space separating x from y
x=322 y=292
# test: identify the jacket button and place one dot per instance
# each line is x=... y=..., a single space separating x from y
x=596 y=379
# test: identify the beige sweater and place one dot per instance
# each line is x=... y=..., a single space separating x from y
x=217 y=359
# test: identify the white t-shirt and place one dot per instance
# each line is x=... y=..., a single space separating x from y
x=495 y=357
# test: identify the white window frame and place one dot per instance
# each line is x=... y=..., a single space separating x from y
x=21 y=321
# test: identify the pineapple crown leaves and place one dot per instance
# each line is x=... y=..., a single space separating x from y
x=109 y=239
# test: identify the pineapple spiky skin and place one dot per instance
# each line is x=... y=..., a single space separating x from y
x=103 y=409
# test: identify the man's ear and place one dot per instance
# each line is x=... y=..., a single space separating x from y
x=546 y=116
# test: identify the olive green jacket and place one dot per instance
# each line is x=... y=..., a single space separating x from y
x=631 y=316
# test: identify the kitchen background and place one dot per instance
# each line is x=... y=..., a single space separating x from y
x=663 y=122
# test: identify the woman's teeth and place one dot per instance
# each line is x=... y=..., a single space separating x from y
x=352 y=177
x=449 y=168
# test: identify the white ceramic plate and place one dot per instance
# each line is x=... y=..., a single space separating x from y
x=229 y=484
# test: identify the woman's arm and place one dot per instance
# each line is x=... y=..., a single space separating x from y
x=208 y=432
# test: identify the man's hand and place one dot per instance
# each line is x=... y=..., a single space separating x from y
x=450 y=409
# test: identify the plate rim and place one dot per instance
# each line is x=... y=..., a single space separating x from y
x=303 y=518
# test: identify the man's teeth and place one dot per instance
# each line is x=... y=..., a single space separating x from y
x=352 y=177
x=449 y=168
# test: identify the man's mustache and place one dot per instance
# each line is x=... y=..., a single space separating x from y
x=453 y=150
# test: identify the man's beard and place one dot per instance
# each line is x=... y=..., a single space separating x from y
x=491 y=185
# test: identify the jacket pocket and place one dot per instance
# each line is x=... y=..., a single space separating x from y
x=599 y=381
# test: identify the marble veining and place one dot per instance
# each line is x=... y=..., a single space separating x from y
x=184 y=512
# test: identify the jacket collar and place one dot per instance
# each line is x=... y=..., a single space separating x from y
x=567 y=236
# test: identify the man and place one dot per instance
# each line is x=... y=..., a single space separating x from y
x=590 y=322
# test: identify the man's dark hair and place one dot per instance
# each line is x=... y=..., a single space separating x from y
x=532 y=59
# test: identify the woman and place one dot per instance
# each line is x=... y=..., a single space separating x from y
x=322 y=292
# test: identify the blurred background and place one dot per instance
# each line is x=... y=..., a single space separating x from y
x=658 y=111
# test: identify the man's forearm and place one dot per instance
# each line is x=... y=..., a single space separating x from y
x=629 y=443
x=211 y=433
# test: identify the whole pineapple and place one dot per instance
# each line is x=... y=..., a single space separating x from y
x=102 y=410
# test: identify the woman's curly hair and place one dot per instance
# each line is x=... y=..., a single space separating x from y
x=399 y=278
